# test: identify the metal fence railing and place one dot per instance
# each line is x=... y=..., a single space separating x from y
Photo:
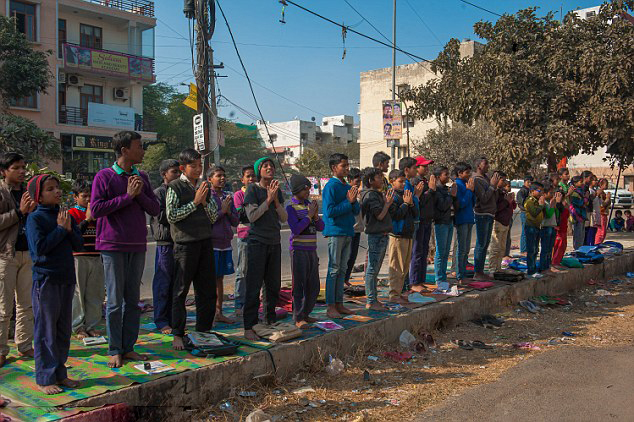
x=139 y=7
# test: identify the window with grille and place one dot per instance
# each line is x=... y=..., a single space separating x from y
x=24 y=14
x=90 y=36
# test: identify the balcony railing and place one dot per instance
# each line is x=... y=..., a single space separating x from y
x=138 y=7
x=73 y=115
x=78 y=116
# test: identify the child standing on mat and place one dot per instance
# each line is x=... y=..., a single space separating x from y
x=548 y=232
x=264 y=204
x=90 y=291
x=505 y=205
x=191 y=212
x=16 y=279
x=340 y=206
x=354 y=179
x=304 y=221
x=52 y=236
x=561 y=236
x=421 y=247
x=404 y=215
x=163 y=282
x=375 y=208
x=464 y=219
x=578 y=211
x=222 y=234
x=534 y=206
x=444 y=200
x=248 y=177
x=120 y=200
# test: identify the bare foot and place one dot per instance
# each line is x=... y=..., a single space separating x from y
x=135 y=356
x=166 y=330
x=82 y=334
x=403 y=299
x=343 y=310
x=250 y=335
x=238 y=312
x=333 y=312
x=3 y=360
x=115 y=361
x=178 y=344
x=418 y=288
x=50 y=389
x=221 y=318
x=27 y=354
x=376 y=306
x=302 y=325
x=481 y=277
x=310 y=319
x=94 y=333
x=69 y=383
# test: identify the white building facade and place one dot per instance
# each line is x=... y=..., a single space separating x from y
x=292 y=137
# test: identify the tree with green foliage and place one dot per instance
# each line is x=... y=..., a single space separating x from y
x=548 y=89
x=23 y=72
x=173 y=120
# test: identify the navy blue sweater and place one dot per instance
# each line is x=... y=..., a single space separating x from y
x=51 y=246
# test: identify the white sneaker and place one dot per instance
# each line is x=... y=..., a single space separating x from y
x=538 y=275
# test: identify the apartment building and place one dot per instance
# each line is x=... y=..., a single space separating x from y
x=291 y=137
x=376 y=86
x=103 y=57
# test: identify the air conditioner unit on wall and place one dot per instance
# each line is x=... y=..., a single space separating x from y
x=121 y=93
x=74 y=80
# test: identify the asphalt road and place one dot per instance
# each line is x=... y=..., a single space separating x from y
x=567 y=384
x=322 y=250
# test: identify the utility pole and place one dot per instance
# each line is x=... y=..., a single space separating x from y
x=393 y=160
x=204 y=15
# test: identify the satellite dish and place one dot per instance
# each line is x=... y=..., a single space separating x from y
x=312 y=118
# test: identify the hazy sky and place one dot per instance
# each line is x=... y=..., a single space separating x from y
x=301 y=59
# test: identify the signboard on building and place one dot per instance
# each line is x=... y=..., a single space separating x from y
x=105 y=115
x=108 y=62
x=92 y=143
x=392 y=120
x=199 y=132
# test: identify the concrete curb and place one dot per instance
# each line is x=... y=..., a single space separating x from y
x=208 y=385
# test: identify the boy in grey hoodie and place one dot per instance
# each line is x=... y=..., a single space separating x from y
x=375 y=208
x=485 y=207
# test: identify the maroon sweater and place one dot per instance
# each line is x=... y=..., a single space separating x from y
x=504 y=212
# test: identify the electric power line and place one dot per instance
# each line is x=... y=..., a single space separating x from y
x=246 y=74
x=423 y=22
x=480 y=7
x=347 y=28
x=374 y=27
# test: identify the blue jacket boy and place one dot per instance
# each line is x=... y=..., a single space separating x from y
x=466 y=201
x=51 y=246
x=338 y=212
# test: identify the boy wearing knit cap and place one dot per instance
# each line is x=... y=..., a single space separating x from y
x=52 y=236
x=304 y=221
x=263 y=203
